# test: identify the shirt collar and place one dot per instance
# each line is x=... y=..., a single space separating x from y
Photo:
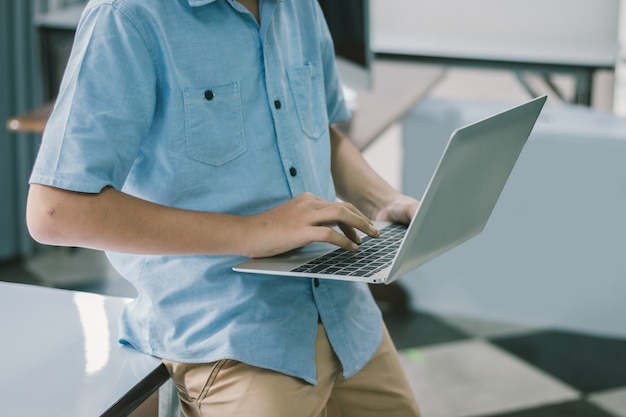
x=196 y=3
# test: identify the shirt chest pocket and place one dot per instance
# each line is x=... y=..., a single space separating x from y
x=308 y=92
x=214 y=124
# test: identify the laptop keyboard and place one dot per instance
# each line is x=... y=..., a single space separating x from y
x=373 y=256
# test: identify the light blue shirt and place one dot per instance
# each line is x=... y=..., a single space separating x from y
x=192 y=104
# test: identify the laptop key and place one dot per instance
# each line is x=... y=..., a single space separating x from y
x=374 y=255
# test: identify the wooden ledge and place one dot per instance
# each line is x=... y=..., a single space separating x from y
x=33 y=121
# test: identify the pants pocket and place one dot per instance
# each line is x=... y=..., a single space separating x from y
x=194 y=380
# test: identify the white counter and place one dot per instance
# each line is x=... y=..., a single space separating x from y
x=62 y=357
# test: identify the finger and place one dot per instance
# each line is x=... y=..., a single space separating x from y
x=340 y=215
x=319 y=203
x=329 y=235
x=364 y=224
x=356 y=211
x=351 y=234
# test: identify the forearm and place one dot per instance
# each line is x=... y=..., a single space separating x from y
x=115 y=221
x=355 y=181
x=112 y=220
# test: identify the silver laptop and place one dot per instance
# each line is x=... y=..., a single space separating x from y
x=455 y=207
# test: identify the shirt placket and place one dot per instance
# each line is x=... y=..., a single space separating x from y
x=278 y=94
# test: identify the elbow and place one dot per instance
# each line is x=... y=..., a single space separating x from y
x=41 y=217
x=40 y=224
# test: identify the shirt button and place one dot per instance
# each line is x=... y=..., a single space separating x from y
x=208 y=94
x=293 y=172
x=316 y=282
x=277 y=104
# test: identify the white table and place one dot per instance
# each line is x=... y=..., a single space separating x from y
x=575 y=37
x=580 y=60
x=62 y=357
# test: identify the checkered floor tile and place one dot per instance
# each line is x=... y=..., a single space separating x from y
x=460 y=367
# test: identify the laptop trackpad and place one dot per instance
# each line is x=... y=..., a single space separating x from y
x=288 y=260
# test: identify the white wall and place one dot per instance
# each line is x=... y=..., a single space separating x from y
x=562 y=32
x=569 y=20
x=553 y=252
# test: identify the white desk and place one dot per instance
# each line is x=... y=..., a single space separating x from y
x=62 y=358
x=580 y=60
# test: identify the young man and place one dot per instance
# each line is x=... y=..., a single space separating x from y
x=189 y=134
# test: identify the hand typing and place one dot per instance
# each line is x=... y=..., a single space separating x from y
x=306 y=219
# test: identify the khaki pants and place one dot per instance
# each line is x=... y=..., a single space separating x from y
x=229 y=388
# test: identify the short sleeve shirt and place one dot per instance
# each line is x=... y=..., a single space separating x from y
x=193 y=104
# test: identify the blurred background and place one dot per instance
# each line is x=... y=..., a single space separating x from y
x=526 y=320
